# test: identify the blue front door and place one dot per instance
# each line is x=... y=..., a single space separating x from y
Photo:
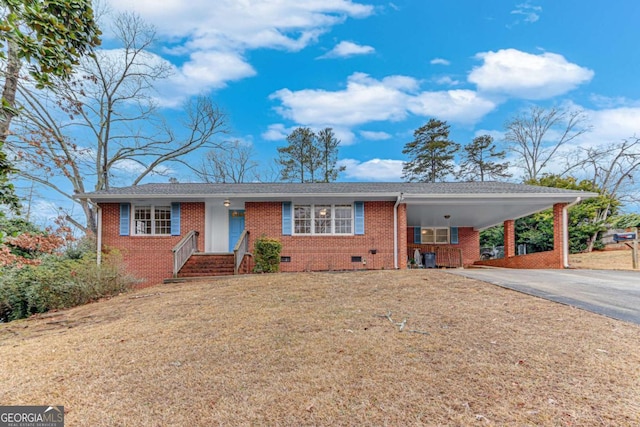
x=236 y=227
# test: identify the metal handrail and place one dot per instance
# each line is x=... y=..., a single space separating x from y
x=183 y=250
x=240 y=250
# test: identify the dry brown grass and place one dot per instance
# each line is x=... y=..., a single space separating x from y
x=603 y=260
x=316 y=349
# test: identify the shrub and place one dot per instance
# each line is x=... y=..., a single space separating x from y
x=267 y=255
x=58 y=283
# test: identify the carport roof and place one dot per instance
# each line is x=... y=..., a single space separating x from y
x=469 y=204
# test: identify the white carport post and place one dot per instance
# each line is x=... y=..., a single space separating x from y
x=395 y=230
x=99 y=235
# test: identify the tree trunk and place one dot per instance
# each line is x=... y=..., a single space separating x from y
x=9 y=91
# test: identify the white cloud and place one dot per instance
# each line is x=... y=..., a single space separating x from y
x=372 y=170
x=364 y=100
x=613 y=101
x=212 y=39
x=523 y=75
x=611 y=125
x=439 y=61
x=461 y=106
x=277 y=132
x=498 y=135
x=345 y=49
x=374 y=136
x=530 y=12
x=448 y=81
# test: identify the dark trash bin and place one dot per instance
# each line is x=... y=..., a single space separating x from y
x=429 y=260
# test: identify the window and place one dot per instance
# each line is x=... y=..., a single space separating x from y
x=153 y=220
x=343 y=219
x=434 y=235
x=322 y=219
x=302 y=219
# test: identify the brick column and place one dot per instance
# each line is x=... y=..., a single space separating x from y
x=509 y=238
x=558 y=235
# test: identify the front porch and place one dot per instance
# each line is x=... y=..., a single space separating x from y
x=190 y=262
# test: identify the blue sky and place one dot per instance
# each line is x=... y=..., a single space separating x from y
x=375 y=71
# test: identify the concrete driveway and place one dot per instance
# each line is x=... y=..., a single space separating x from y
x=608 y=292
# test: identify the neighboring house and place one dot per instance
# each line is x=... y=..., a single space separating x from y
x=322 y=226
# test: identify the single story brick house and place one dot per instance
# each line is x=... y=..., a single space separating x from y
x=179 y=229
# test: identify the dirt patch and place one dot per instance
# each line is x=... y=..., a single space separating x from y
x=417 y=347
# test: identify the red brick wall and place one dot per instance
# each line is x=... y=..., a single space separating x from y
x=322 y=253
x=149 y=258
x=468 y=243
x=547 y=259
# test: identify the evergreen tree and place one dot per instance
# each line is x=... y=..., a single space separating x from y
x=431 y=153
x=328 y=146
x=299 y=157
x=310 y=157
x=478 y=161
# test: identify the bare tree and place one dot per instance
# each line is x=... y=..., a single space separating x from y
x=231 y=162
x=110 y=109
x=537 y=136
x=615 y=169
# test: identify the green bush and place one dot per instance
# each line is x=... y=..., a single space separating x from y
x=267 y=255
x=57 y=283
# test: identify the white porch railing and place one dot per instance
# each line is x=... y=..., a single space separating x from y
x=183 y=250
x=241 y=249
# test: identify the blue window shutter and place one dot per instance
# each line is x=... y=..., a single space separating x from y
x=286 y=219
x=417 y=237
x=454 y=235
x=125 y=208
x=359 y=217
x=175 y=219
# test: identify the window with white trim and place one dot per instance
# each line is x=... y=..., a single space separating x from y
x=434 y=235
x=152 y=220
x=322 y=219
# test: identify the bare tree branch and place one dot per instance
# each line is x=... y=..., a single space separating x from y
x=537 y=136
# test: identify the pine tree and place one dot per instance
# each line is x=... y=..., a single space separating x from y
x=299 y=157
x=478 y=161
x=310 y=157
x=328 y=146
x=431 y=153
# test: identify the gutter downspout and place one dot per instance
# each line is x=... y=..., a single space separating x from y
x=99 y=237
x=395 y=230
x=565 y=234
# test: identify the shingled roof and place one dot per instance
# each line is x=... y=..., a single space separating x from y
x=389 y=189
